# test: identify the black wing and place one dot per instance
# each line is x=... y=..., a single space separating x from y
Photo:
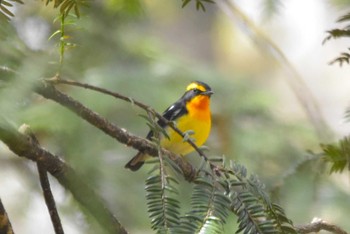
x=171 y=113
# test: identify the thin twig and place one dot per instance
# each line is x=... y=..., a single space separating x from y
x=49 y=199
x=23 y=146
x=320 y=225
x=45 y=185
x=5 y=224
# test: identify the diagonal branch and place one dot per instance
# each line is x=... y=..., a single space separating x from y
x=50 y=92
x=24 y=146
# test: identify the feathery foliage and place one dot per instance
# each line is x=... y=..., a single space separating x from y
x=209 y=207
x=163 y=209
x=214 y=197
x=67 y=5
x=65 y=8
x=338 y=154
x=255 y=212
x=218 y=190
x=340 y=33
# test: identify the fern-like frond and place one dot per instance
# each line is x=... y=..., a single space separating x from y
x=209 y=207
x=340 y=33
x=249 y=201
x=250 y=213
x=66 y=6
x=163 y=208
x=338 y=154
x=274 y=212
x=336 y=33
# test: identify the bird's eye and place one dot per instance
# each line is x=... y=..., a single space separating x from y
x=196 y=91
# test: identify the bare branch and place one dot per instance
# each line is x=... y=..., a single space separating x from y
x=5 y=225
x=49 y=199
x=24 y=146
x=319 y=225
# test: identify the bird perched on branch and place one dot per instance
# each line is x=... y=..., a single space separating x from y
x=190 y=112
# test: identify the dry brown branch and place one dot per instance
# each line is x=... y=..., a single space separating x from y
x=318 y=226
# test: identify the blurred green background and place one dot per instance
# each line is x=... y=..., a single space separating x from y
x=150 y=50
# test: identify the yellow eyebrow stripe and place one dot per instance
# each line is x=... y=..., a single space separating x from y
x=195 y=86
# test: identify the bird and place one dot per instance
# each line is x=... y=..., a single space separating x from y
x=190 y=112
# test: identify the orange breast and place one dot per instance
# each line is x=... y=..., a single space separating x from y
x=198 y=120
x=199 y=108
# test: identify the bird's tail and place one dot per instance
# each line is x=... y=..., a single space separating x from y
x=136 y=162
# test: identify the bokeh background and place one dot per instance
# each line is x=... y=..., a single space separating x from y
x=150 y=50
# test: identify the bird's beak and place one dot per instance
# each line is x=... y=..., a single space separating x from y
x=207 y=93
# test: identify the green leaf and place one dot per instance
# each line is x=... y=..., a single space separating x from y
x=54 y=34
x=340 y=33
